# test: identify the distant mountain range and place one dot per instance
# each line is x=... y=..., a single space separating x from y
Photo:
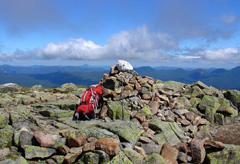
x=54 y=76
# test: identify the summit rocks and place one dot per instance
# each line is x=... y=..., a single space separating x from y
x=143 y=120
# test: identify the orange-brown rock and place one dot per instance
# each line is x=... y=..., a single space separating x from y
x=64 y=133
x=128 y=88
x=190 y=116
x=146 y=97
x=103 y=112
x=28 y=101
x=169 y=153
x=107 y=92
x=109 y=145
x=44 y=140
x=89 y=146
x=72 y=155
x=198 y=151
x=213 y=144
x=76 y=139
x=138 y=86
x=63 y=149
x=154 y=106
x=141 y=151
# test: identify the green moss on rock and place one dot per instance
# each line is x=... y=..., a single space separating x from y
x=90 y=158
x=4 y=119
x=115 y=110
x=154 y=158
x=229 y=155
x=32 y=152
x=210 y=105
x=174 y=86
x=126 y=130
x=167 y=132
x=120 y=158
x=6 y=136
x=97 y=133
x=145 y=112
x=134 y=156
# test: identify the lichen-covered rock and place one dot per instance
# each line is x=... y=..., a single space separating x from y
x=10 y=87
x=6 y=135
x=6 y=100
x=26 y=138
x=195 y=91
x=226 y=108
x=183 y=100
x=126 y=130
x=120 y=158
x=4 y=119
x=154 y=158
x=84 y=124
x=97 y=133
x=219 y=119
x=200 y=84
x=195 y=101
x=104 y=158
x=210 y=105
x=151 y=148
x=234 y=96
x=18 y=160
x=65 y=104
x=134 y=156
x=20 y=114
x=38 y=88
x=174 y=86
x=58 y=158
x=32 y=152
x=168 y=133
x=90 y=157
x=21 y=160
x=145 y=112
x=231 y=154
x=56 y=113
x=115 y=110
x=67 y=87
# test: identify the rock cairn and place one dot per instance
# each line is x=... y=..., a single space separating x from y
x=142 y=121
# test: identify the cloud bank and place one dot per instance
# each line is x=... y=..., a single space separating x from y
x=132 y=44
x=137 y=44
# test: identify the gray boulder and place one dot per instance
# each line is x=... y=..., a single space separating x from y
x=10 y=87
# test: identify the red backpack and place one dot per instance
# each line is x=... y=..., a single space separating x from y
x=89 y=100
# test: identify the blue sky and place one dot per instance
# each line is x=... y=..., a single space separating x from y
x=179 y=33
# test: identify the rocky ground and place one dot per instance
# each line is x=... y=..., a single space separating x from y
x=162 y=122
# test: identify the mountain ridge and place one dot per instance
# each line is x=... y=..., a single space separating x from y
x=53 y=76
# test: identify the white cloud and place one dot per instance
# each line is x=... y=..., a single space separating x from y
x=78 y=49
x=132 y=44
x=189 y=57
x=222 y=54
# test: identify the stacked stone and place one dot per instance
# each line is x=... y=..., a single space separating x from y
x=173 y=108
